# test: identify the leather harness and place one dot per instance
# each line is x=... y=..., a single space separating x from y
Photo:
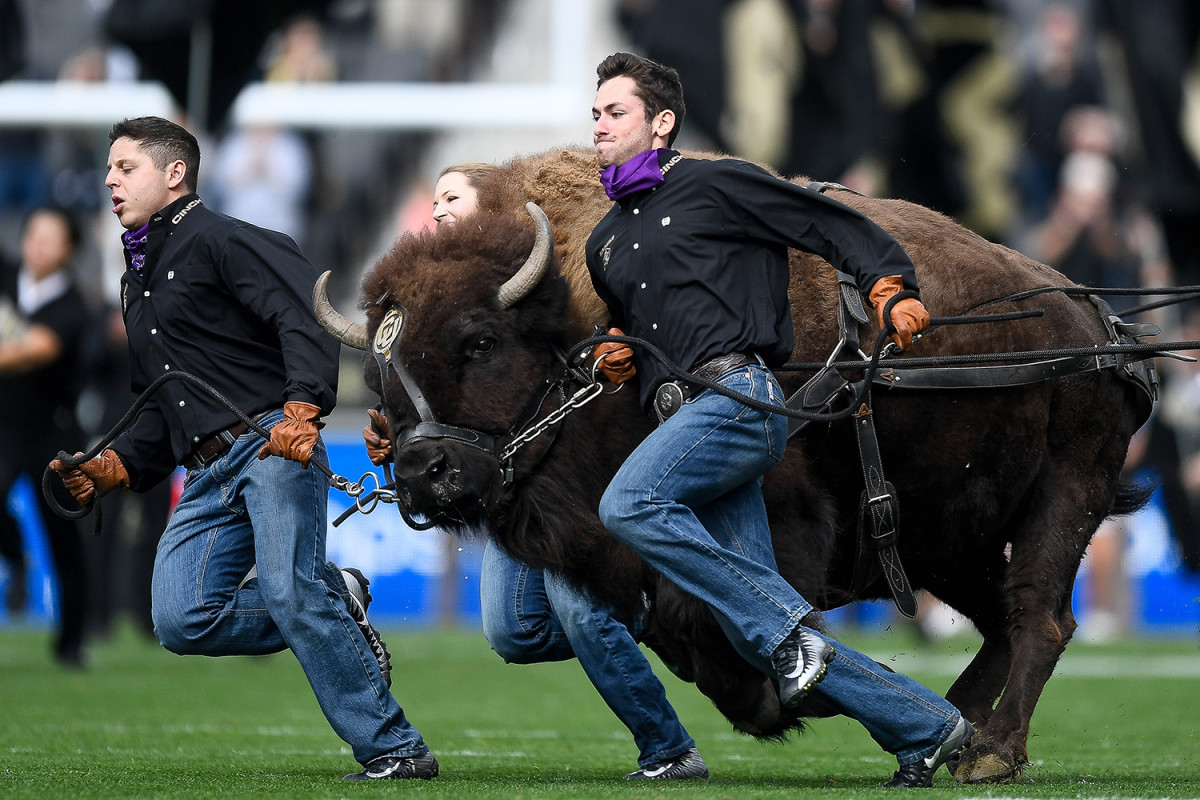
x=879 y=508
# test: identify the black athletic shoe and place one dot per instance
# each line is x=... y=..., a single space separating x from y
x=800 y=662
x=919 y=774
x=686 y=765
x=388 y=768
x=360 y=599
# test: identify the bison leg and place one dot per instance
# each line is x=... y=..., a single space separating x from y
x=1046 y=552
x=977 y=592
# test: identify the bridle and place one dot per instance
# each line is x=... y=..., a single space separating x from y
x=500 y=448
x=388 y=334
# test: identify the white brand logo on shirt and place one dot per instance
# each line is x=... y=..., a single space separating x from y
x=183 y=212
x=606 y=250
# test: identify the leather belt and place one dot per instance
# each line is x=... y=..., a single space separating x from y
x=213 y=447
x=671 y=395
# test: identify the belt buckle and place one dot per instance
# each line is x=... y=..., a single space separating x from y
x=198 y=460
x=667 y=400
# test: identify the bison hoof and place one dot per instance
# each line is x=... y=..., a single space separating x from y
x=986 y=768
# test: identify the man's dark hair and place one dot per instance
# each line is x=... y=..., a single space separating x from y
x=164 y=142
x=658 y=86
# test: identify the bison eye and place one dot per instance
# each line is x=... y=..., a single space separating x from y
x=485 y=345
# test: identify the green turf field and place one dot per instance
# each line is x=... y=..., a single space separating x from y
x=1119 y=721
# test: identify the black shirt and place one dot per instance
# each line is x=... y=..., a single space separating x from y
x=230 y=303
x=39 y=405
x=698 y=266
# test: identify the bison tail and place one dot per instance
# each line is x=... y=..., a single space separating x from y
x=1132 y=496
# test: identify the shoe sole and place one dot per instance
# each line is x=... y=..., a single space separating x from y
x=429 y=773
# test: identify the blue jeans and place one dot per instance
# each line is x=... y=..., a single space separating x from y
x=239 y=512
x=531 y=616
x=689 y=501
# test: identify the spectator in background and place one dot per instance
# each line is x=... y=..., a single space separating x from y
x=22 y=174
x=946 y=85
x=1179 y=418
x=1064 y=76
x=39 y=387
x=1083 y=237
x=835 y=109
x=301 y=55
x=264 y=175
x=1160 y=42
x=764 y=63
x=690 y=35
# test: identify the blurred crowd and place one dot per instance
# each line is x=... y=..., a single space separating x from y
x=1067 y=129
x=64 y=379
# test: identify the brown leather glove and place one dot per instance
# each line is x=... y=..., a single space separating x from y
x=377 y=436
x=909 y=316
x=296 y=437
x=614 y=359
x=93 y=478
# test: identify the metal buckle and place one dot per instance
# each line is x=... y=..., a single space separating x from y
x=667 y=400
x=198 y=461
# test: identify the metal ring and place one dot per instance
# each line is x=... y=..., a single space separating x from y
x=372 y=496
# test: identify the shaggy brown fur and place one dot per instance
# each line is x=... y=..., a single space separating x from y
x=1001 y=489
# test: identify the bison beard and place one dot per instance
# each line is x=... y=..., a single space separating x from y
x=1000 y=493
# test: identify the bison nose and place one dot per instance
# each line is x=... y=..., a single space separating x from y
x=423 y=469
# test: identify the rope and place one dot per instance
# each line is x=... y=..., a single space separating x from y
x=115 y=431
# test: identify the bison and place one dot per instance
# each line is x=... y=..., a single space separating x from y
x=1000 y=488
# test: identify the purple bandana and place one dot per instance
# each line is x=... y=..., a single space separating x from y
x=135 y=243
x=638 y=173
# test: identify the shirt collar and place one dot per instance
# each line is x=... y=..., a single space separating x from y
x=33 y=295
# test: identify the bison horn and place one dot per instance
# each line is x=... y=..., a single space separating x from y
x=351 y=334
x=534 y=267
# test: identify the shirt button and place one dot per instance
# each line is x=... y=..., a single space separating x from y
x=654 y=326
x=637 y=211
x=154 y=331
x=146 y=293
x=643 y=286
x=195 y=438
x=181 y=404
x=166 y=366
x=635 y=247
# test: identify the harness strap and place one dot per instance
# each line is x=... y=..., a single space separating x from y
x=996 y=375
x=436 y=430
x=823 y=389
x=388 y=333
x=881 y=511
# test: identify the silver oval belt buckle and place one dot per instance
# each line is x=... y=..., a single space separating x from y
x=667 y=400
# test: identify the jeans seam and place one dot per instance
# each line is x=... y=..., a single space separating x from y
x=913 y=696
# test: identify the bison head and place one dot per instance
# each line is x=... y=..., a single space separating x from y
x=472 y=318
